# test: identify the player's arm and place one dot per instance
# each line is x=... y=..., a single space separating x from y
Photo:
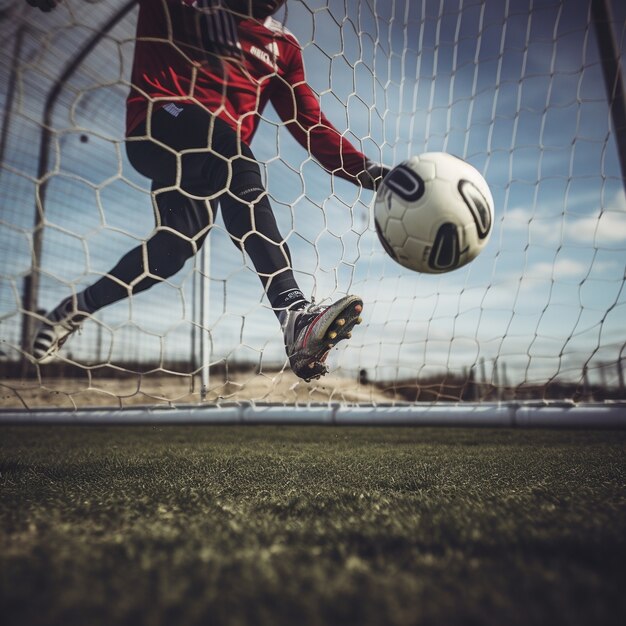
x=298 y=106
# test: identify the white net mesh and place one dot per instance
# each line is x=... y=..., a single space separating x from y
x=515 y=88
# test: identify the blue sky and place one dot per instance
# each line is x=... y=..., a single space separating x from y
x=517 y=92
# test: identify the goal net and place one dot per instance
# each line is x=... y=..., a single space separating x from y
x=515 y=87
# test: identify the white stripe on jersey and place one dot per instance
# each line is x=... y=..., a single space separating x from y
x=277 y=27
x=221 y=27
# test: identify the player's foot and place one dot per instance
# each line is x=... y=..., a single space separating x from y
x=310 y=333
x=60 y=323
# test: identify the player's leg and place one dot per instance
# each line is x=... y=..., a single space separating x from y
x=248 y=215
x=208 y=159
x=182 y=221
x=182 y=226
x=310 y=331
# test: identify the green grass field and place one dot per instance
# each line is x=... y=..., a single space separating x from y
x=311 y=526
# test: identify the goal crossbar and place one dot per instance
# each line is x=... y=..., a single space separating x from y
x=496 y=414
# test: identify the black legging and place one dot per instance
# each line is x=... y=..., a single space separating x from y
x=196 y=161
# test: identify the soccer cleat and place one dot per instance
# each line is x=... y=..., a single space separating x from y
x=310 y=333
x=52 y=333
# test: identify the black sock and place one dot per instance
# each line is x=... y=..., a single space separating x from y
x=87 y=301
x=292 y=299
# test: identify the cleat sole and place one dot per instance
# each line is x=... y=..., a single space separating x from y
x=341 y=328
x=330 y=332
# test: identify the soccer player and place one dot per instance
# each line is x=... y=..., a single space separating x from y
x=203 y=72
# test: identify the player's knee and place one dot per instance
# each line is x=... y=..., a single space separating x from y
x=244 y=210
x=227 y=142
x=252 y=195
x=182 y=213
x=168 y=252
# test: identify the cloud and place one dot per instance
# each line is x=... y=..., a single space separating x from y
x=602 y=227
x=558 y=269
x=608 y=227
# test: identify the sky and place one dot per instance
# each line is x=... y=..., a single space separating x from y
x=515 y=88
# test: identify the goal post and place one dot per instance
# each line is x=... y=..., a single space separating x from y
x=516 y=88
x=611 y=61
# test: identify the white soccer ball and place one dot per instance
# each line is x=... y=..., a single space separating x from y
x=433 y=213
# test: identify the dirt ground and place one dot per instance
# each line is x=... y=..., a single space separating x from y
x=163 y=390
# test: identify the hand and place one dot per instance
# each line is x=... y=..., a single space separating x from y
x=44 y=5
x=372 y=176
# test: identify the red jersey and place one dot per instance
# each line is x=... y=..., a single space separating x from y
x=170 y=66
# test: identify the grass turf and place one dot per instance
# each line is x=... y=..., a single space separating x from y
x=311 y=526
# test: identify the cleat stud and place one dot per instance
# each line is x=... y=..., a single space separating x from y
x=358 y=320
x=332 y=335
x=341 y=322
x=331 y=345
x=358 y=308
x=348 y=335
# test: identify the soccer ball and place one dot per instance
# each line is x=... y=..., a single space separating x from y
x=433 y=213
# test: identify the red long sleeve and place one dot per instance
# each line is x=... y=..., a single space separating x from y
x=298 y=106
